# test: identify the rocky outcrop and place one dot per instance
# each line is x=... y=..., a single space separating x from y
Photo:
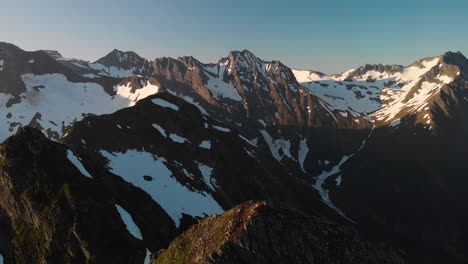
x=260 y=232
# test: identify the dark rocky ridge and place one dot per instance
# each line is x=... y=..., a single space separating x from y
x=242 y=171
x=259 y=232
x=51 y=213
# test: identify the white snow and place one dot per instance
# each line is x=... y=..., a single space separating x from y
x=111 y=71
x=59 y=103
x=360 y=95
x=177 y=138
x=445 y=79
x=79 y=65
x=252 y=142
x=308 y=76
x=174 y=137
x=320 y=180
x=221 y=89
x=262 y=122
x=128 y=221
x=206 y=144
x=164 y=103
x=172 y=196
x=302 y=154
x=395 y=123
x=206 y=173
x=222 y=129
x=338 y=181
x=160 y=129
x=419 y=99
x=147 y=258
x=189 y=100
x=124 y=91
x=276 y=145
x=75 y=160
x=324 y=176
x=31 y=61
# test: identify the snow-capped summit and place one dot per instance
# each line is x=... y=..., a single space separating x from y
x=387 y=91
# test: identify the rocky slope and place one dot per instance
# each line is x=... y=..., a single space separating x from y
x=66 y=205
x=218 y=169
x=51 y=211
x=259 y=232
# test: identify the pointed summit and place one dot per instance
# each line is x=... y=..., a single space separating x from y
x=457 y=59
x=121 y=59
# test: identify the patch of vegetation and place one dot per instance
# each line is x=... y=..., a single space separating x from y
x=32 y=241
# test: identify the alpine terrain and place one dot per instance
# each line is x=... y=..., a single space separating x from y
x=172 y=160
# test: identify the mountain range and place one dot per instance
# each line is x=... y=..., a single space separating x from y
x=128 y=160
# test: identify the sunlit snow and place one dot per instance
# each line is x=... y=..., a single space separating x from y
x=59 y=102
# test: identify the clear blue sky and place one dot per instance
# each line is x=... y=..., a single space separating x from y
x=330 y=36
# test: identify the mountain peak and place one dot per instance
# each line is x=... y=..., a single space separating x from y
x=457 y=59
x=121 y=59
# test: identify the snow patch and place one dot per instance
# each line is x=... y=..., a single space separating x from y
x=125 y=91
x=177 y=138
x=221 y=89
x=277 y=145
x=76 y=161
x=206 y=173
x=128 y=221
x=222 y=129
x=148 y=257
x=160 y=129
x=45 y=94
x=302 y=154
x=172 y=196
x=445 y=79
x=206 y=144
x=262 y=122
x=252 y=142
x=338 y=181
x=164 y=103
x=112 y=71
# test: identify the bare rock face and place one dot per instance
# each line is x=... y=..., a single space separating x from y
x=260 y=232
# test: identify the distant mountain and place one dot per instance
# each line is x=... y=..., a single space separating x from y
x=412 y=164
x=379 y=148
